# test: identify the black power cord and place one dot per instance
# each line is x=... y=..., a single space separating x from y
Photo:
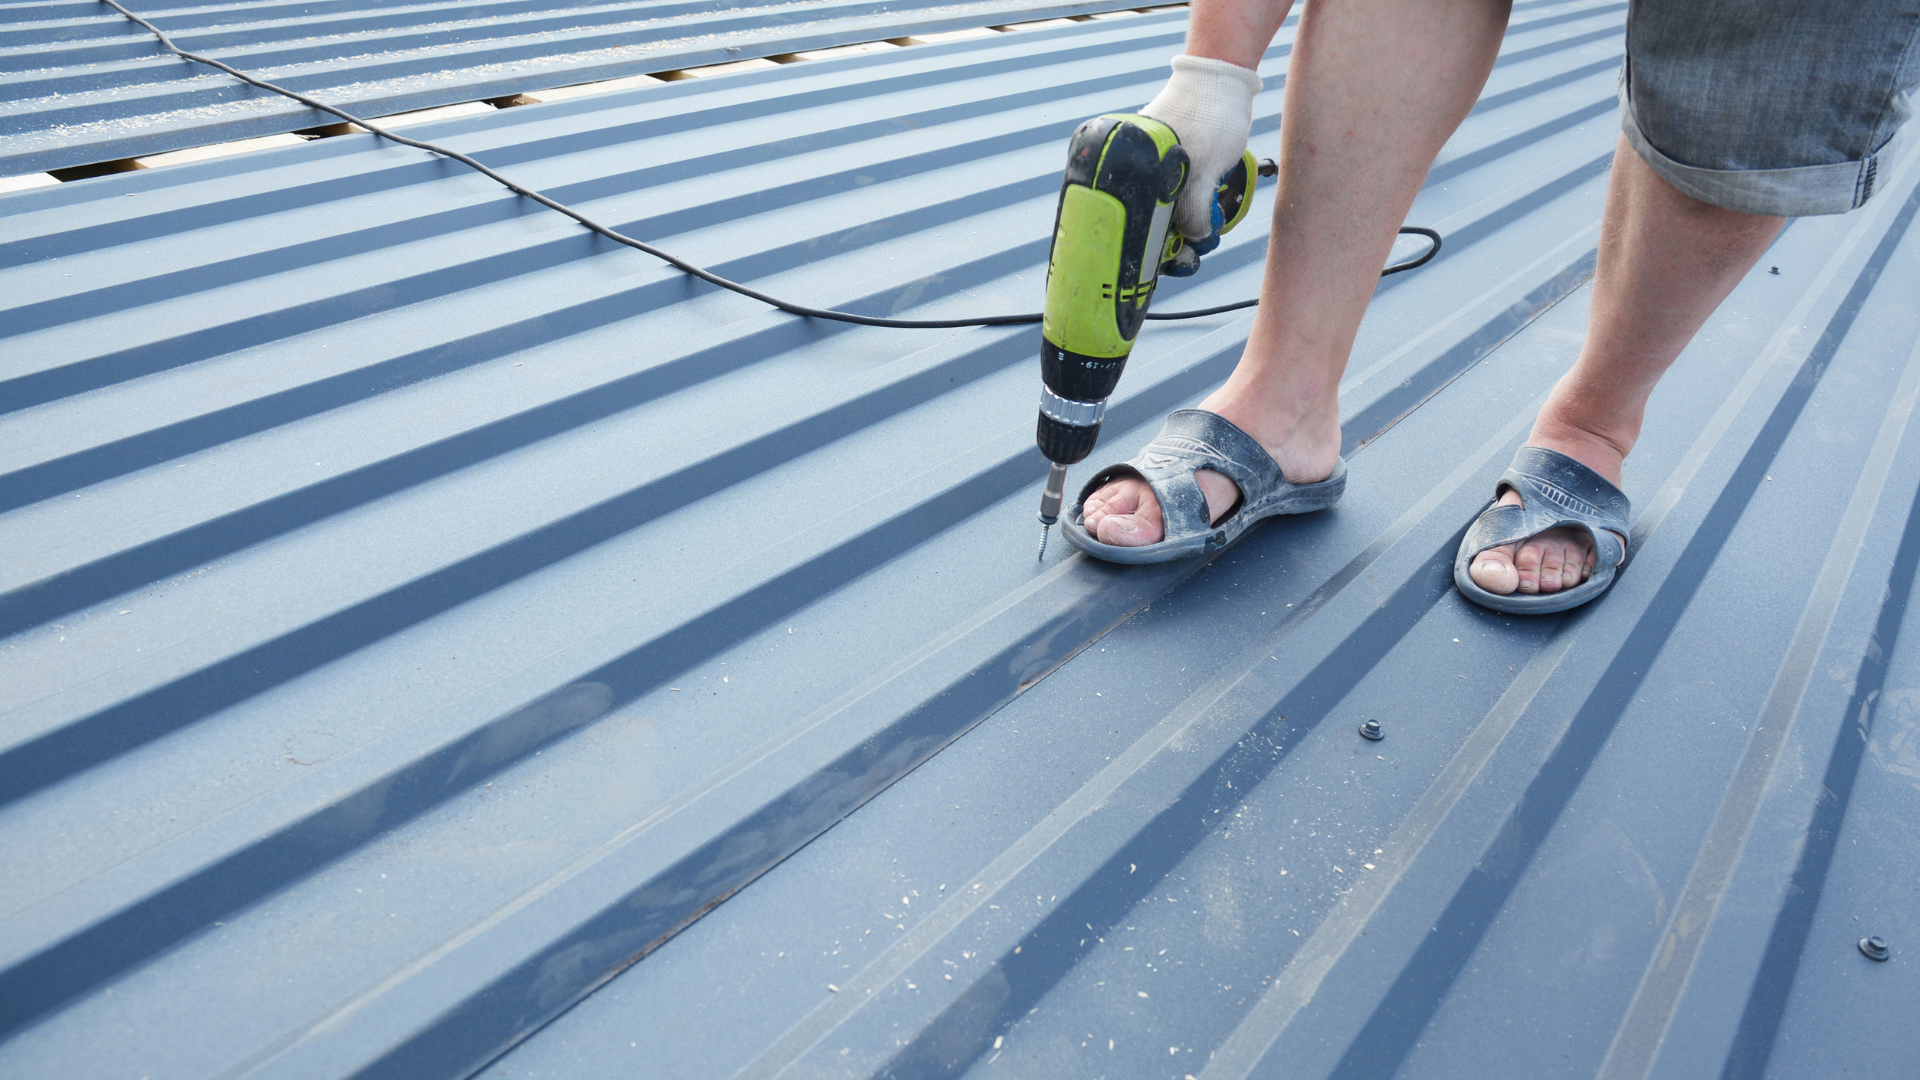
x=674 y=260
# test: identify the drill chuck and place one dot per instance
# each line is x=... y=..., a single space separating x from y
x=1068 y=428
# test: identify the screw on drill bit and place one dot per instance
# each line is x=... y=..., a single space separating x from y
x=1045 y=530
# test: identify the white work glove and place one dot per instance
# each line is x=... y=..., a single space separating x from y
x=1209 y=105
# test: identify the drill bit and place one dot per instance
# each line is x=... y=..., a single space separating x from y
x=1050 y=503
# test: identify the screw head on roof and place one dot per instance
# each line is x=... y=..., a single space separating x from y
x=1371 y=730
x=1874 y=948
x=1773 y=269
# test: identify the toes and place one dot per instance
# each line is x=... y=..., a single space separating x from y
x=1553 y=558
x=1125 y=530
x=1124 y=514
x=1498 y=570
x=1118 y=498
x=1526 y=566
x=1578 y=566
x=1576 y=557
x=1493 y=571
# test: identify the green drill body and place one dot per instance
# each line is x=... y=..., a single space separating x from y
x=1110 y=240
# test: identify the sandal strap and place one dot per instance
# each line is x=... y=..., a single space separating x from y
x=1194 y=439
x=1555 y=490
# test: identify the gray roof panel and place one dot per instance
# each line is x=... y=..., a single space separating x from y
x=83 y=85
x=433 y=634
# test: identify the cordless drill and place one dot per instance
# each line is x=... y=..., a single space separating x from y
x=1110 y=243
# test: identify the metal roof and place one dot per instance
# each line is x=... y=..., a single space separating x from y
x=80 y=84
x=439 y=642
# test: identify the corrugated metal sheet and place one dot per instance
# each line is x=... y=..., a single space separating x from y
x=418 y=612
x=80 y=84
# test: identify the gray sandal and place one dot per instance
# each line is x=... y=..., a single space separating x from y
x=1555 y=490
x=1194 y=440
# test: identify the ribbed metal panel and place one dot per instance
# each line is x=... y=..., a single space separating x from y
x=80 y=84
x=440 y=642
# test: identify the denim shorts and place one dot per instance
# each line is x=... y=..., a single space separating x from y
x=1780 y=107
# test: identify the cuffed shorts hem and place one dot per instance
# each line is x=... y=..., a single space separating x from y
x=1797 y=192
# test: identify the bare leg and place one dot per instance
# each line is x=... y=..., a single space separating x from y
x=1666 y=262
x=1374 y=89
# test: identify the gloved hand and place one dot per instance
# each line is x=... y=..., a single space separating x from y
x=1209 y=105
